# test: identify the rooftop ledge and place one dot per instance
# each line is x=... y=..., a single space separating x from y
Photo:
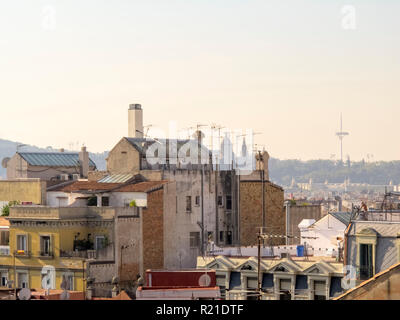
x=67 y=213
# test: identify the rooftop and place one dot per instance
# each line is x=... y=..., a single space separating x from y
x=53 y=159
x=93 y=186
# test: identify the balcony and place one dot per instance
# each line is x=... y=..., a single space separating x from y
x=46 y=254
x=105 y=254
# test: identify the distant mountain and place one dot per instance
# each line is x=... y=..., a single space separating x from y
x=8 y=149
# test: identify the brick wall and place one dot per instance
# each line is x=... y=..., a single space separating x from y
x=153 y=232
x=251 y=211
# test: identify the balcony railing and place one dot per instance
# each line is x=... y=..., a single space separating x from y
x=85 y=254
x=4 y=250
x=46 y=254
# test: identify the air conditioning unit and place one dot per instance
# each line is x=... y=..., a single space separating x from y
x=75 y=176
x=64 y=177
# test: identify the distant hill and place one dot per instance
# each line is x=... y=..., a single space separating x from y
x=382 y=172
x=8 y=149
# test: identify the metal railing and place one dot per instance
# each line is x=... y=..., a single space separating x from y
x=4 y=250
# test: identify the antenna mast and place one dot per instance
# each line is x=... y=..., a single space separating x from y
x=341 y=134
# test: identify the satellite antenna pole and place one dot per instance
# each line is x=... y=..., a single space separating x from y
x=341 y=134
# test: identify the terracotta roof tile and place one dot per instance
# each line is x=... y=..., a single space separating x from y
x=80 y=186
x=141 y=186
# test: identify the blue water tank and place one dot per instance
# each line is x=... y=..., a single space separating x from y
x=300 y=251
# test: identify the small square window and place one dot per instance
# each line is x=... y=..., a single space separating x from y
x=194 y=239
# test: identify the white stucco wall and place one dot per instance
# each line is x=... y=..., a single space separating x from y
x=326 y=230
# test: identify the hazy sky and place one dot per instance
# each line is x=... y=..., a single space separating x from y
x=70 y=69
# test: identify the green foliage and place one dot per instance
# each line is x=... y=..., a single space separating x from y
x=132 y=203
x=92 y=202
x=5 y=212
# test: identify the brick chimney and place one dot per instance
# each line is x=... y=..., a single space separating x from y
x=84 y=162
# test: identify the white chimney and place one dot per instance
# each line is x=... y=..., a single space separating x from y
x=135 y=121
x=84 y=162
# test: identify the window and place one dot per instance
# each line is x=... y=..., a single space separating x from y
x=3 y=279
x=4 y=238
x=100 y=242
x=221 y=236
x=21 y=243
x=228 y=202
x=45 y=246
x=229 y=237
x=197 y=201
x=194 y=239
x=366 y=269
x=105 y=201
x=319 y=290
x=188 y=204
x=23 y=280
x=68 y=281
x=220 y=203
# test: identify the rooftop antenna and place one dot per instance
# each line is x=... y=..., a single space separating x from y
x=341 y=134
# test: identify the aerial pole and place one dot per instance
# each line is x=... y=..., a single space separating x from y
x=341 y=134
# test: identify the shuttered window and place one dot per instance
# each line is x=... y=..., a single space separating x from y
x=320 y=288
x=285 y=284
x=252 y=283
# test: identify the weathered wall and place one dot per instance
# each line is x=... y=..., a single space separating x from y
x=23 y=190
x=385 y=287
x=123 y=158
x=297 y=214
x=251 y=212
x=128 y=232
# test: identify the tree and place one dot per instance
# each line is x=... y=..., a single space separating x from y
x=5 y=212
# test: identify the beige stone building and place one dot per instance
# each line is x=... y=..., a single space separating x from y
x=50 y=166
x=206 y=201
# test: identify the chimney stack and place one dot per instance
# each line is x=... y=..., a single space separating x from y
x=84 y=162
x=135 y=121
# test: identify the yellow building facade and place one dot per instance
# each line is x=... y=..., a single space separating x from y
x=23 y=190
x=52 y=245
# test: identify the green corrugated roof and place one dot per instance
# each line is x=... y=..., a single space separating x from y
x=343 y=217
x=53 y=159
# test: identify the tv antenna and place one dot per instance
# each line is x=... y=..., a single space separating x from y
x=341 y=134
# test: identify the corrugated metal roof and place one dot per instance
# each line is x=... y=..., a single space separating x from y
x=343 y=217
x=116 y=178
x=53 y=159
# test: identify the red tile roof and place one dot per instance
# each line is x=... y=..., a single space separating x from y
x=86 y=186
x=121 y=296
x=147 y=186
x=80 y=186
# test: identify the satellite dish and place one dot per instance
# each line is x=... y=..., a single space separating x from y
x=5 y=162
x=64 y=295
x=204 y=280
x=24 y=294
